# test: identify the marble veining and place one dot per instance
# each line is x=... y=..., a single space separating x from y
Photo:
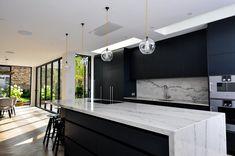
x=194 y=90
x=191 y=132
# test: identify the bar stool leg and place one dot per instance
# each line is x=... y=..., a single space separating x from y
x=48 y=135
x=47 y=130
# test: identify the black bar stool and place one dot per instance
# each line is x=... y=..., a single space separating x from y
x=50 y=126
x=59 y=138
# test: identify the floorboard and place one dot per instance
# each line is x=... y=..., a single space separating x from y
x=22 y=135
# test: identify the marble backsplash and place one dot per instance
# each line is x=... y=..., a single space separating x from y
x=179 y=89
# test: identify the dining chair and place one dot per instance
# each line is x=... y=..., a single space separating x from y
x=6 y=105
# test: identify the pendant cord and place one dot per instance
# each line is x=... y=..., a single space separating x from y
x=82 y=37
x=146 y=31
x=107 y=26
x=66 y=47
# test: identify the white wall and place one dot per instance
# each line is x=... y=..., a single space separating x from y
x=68 y=76
x=33 y=86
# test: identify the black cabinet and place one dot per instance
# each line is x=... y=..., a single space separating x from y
x=97 y=136
x=221 y=47
x=109 y=77
x=231 y=142
x=181 y=56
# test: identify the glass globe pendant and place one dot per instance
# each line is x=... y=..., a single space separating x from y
x=107 y=55
x=147 y=46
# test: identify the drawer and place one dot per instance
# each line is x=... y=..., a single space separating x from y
x=149 y=142
x=98 y=144
x=73 y=149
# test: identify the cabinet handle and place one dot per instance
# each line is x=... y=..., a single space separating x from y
x=112 y=93
x=100 y=92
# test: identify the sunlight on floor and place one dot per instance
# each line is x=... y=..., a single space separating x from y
x=28 y=141
x=28 y=119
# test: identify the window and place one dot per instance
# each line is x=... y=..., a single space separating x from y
x=48 y=84
x=82 y=76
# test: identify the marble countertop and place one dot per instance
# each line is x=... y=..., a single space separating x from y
x=159 y=119
x=201 y=103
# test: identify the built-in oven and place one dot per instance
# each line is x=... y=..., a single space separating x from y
x=222 y=99
x=228 y=108
x=222 y=87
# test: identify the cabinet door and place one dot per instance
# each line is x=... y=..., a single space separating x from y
x=195 y=55
x=117 y=76
x=221 y=64
x=98 y=77
x=107 y=79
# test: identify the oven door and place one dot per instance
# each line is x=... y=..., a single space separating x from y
x=230 y=117
x=220 y=89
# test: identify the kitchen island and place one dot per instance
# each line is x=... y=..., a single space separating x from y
x=124 y=129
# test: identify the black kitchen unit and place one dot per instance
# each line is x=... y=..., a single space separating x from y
x=181 y=56
x=87 y=135
x=109 y=77
x=221 y=56
x=221 y=47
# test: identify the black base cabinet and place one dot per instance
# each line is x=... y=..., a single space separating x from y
x=88 y=135
x=231 y=142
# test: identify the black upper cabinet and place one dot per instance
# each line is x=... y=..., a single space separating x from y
x=194 y=54
x=221 y=47
x=182 y=56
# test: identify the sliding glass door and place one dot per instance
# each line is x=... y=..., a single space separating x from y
x=48 y=81
x=48 y=84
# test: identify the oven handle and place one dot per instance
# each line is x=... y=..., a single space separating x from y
x=210 y=86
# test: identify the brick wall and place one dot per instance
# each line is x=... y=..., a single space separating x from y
x=21 y=77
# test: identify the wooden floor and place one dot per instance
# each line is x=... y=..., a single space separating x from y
x=22 y=135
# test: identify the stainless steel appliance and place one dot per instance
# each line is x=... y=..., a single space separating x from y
x=222 y=97
x=222 y=87
x=227 y=107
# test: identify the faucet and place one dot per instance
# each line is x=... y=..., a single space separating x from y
x=165 y=92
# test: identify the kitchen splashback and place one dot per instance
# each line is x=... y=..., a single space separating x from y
x=179 y=89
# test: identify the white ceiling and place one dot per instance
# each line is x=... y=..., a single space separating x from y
x=49 y=20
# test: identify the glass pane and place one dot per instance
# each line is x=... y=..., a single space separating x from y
x=82 y=78
x=55 y=91
x=79 y=77
x=38 y=86
x=4 y=81
x=61 y=61
x=43 y=90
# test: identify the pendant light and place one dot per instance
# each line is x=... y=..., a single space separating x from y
x=84 y=59
x=147 y=45
x=66 y=66
x=107 y=55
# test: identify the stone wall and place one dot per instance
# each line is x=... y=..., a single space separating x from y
x=179 y=89
x=21 y=77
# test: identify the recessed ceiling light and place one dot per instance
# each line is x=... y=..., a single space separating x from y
x=189 y=14
x=24 y=32
x=10 y=52
x=119 y=45
x=200 y=20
